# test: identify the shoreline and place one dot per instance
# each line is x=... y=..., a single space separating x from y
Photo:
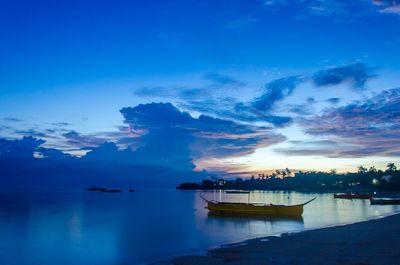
x=370 y=242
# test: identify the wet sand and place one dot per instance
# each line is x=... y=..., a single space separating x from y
x=372 y=242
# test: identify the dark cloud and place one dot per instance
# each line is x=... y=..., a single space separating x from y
x=262 y=108
x=333 y=100
x=77 y=140
x=31 y=132
x=356 y=74
x=231 y=109
x=369 y=127
x=302 y=109
x=166 y=140
x=310 y=100
x=212 y=100
x=200 y=136
x=19 y=149
x=248 y=113
x=26 y=163
x=275 y=91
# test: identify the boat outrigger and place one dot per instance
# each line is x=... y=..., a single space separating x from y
x=385 y=201
x=255 y=208
x=362 y=196
x=237 y=191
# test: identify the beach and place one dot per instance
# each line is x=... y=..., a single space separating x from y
x=366 y=243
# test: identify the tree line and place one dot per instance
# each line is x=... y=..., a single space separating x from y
x=364 y=178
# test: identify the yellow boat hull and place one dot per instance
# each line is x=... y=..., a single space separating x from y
x=255 y=209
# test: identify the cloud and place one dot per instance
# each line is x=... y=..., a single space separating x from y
x=387 y=6
x=369 y=127
x=216 y=83
x=335 y=8
x=158 y=138
x=262 y=108
x=212 y=100
x=75 y=139
x=393 y=9
x=181 y=134
x=275 y=91
x=356 y=74
x=12 y=119
x=61 y=124
x=224 y=80
x=19 y=149
x=232 y=109
x=104 y=165
x=327 y=148
x=31 y=132
x=333 y=100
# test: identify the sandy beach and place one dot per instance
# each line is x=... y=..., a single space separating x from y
x=366 y=243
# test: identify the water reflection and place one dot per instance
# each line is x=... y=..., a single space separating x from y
x=256 y=225
x=77 y=227
x=238 y=217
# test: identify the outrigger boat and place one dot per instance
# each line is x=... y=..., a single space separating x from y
x=94 y=188
x=112 y=190
x=255 y=208
x=385 y=201
x=362 y=196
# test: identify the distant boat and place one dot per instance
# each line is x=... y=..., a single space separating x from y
x=112 y=190
x=385 y=200
x=95 y=188
x=255 y=209
x=362 y=196
x=237 y=191
x=131 y=190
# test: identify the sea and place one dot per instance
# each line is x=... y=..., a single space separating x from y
x=80 y=227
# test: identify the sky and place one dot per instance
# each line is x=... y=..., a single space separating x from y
x=233 y=87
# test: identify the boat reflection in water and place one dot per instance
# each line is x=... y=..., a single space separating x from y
x=255 y=225
x=251 y=217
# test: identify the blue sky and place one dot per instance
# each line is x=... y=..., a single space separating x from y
x=276 y=76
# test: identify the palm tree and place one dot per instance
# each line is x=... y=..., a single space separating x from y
x=372 y=169
x=333 y=171
x=391 y=167
x=362 y=170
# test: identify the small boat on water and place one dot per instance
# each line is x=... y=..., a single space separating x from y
x=112 y=190
x=255 y=208
x=95 y=188
x=362 y=196
x=385 y=201
x=237 y=191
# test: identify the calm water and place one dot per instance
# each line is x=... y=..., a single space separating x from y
x=77 y=227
